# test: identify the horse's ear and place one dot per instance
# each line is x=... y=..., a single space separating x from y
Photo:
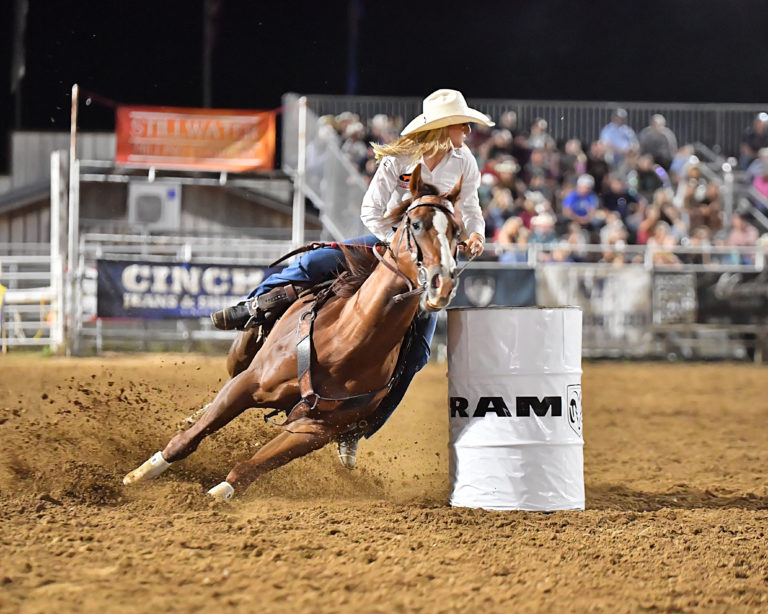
x=415 y=182
x=453 y=195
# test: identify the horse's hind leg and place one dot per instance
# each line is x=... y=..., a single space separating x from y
x=282 y=449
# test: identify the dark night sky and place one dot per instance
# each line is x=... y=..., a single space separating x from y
x=150 y=52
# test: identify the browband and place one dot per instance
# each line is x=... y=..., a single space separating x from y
x=431 y=200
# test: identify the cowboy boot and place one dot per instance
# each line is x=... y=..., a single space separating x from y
x=262 y=309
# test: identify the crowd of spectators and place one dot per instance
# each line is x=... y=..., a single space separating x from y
x=622 y=189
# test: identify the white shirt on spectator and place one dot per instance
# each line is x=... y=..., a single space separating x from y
x=389 y=187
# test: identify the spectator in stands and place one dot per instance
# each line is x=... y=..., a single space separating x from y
x=663 y=243
x=520 y=147
x=677 y=219
x=648 y=177
x=344 y=119
x=614 y=231
x=597 y=163
x=699 y=197
x=498 y=210
x=506 y=170
x=742 y=234
x=573 y=162
x=618 y=198
x=533 y=203
x=488 y=181
x=539 y=138
x=651 y=215
x=701 y=238
x=580 y=205
x=541 y=181
x=658 y=141
x=576 y=238
x=753 y=140
x=720 y=240
x=759 y=172
x=538 y=161
x=619 y=137
x=677 y=167
x=512 y=238
x=543 y=233
x=498 y=146
x=354 y=145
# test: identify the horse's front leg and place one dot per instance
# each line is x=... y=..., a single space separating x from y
x=236 y=396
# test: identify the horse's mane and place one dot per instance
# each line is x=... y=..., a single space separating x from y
x=360 y=264
x=361 y=260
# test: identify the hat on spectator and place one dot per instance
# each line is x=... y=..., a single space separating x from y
x=622 y=113
x=543 y=219
x=586 y=181
x=507 y=166
x=445 y=108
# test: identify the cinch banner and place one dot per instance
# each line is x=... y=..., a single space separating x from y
x=203 y=139
x=150 y=290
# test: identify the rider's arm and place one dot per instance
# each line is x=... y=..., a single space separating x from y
x=469 y=202
x=377 y=196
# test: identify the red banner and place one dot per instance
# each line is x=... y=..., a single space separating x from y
x=202 y=139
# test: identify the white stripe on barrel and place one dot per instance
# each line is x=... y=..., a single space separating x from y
x=515 y=400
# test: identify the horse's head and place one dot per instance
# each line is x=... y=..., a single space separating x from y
x=430 y=234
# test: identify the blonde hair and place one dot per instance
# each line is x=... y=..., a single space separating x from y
x=416 y=145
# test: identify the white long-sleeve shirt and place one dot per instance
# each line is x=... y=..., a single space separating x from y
x=389 y=187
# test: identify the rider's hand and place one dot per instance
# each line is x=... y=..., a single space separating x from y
x=474 y=245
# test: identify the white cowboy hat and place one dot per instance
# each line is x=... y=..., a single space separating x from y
x=445 y=108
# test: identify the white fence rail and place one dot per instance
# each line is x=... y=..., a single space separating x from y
x=26 y=302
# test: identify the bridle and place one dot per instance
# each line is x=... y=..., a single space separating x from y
x=414 y=248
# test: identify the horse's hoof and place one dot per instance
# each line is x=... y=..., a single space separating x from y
x=222 y=492
x=147 y=470
x=347 y=451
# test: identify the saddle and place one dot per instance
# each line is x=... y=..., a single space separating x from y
x=299 y=418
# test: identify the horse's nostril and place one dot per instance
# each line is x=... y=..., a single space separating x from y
x=436 y=281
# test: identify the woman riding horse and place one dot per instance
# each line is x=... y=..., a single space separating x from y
x=334 y=356
x=434 y=140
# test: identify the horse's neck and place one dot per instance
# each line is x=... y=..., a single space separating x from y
x=374 y=299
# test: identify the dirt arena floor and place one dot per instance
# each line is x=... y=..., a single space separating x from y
x=676 y=465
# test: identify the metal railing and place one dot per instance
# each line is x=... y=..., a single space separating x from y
x=718 y=126
x=26 y=305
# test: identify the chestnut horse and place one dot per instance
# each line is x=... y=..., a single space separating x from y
x=328 y=363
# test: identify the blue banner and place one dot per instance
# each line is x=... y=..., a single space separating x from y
x=128 y=289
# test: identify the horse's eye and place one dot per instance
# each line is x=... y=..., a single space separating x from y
x=416 y=226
